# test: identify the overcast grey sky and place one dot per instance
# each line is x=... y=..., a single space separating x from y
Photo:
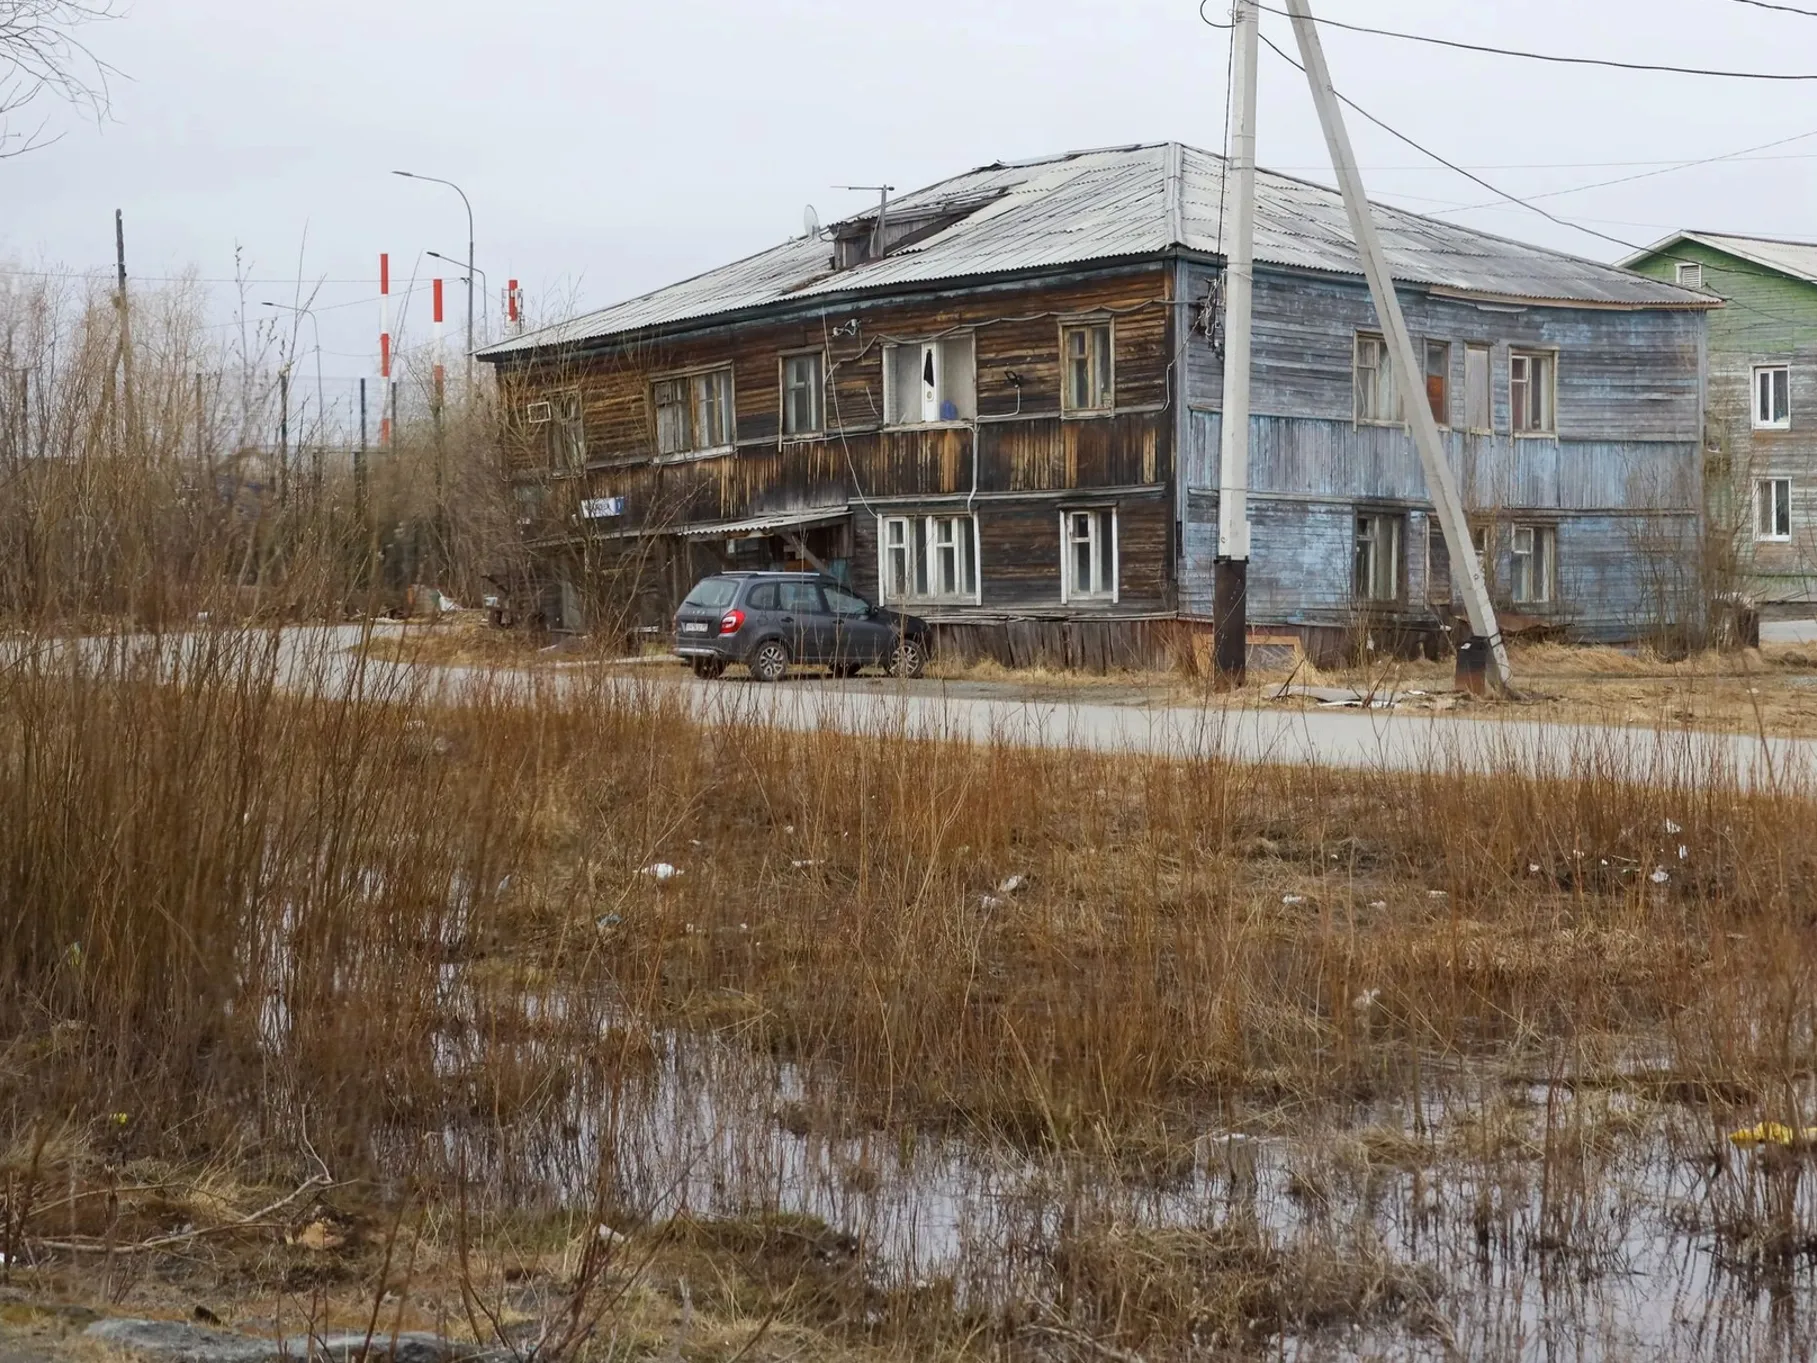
x=612 y=147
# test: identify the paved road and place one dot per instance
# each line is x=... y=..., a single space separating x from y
x=311 y=658
x=1364 y=739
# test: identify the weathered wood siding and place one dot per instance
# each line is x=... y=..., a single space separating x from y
x=1621 y=479
x=1768 y=318
x=1014 y=464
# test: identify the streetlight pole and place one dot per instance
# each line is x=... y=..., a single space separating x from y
x=434 y=180
x=485 y=283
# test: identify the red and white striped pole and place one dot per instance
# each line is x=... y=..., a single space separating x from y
x=439 y=372
x=512 y=313
x=384 y=349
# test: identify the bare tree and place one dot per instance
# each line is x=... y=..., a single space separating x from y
x=42 y=60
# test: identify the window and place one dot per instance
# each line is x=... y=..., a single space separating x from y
x=1773 y=509
x=1534 y=552
x=1375 y=396
x=1477 y=411
x=1772 y=397
x=693 y=412
x=1438 y=380
x=1087 y=356
x=1690 y=274
x=842 y=602
x=567 y=432
x=929 y=381
x=1530 y=375
x=803 y=404
x=930 y=558
x=1378 y=557
x=1088 y=568
x=801 y=598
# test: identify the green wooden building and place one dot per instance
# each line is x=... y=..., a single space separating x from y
x=1760 y=411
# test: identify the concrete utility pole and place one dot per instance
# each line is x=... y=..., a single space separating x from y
x=1483 y=653
x=1230 y=571
x=126 y=390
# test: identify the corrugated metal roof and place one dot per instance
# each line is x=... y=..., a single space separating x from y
x=1796 y=258
x=1119 y=203
x=776 y=520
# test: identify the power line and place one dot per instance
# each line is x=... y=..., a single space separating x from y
x=1783 y=9
x=1649 y=174
x=1522 y=203
x=1557 y=58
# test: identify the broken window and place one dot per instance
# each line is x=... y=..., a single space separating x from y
x=1089 y=555
x=1438 y=380
x=930 y=558
x=567 y=432
x=1772 y=397
x=1087 y=357
x=929 y=381
x=1378 y=556
x=1477 y=411
x=1376 y=399
x=1530 y=389
x=802 y=400
x=1534 y=551
x=693 y=412
x=1773 y=509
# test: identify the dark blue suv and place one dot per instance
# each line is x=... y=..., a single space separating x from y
x=768 y=621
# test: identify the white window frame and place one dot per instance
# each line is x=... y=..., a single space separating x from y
x=1104 y=553
x=695 y=388
x=1487 y=352
x=816 y=395
x=1689 y=274
x=1773 y=510
x=917 y=540
x=1765 y=416
x=1382 y=391
x=1548 y=390
x=1101 y=366
x=1397 y=524
x=920 y=407
x=1533 y=576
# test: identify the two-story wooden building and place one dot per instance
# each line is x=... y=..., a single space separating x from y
x=995 y=403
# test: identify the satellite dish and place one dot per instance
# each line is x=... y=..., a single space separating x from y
x=810 y=221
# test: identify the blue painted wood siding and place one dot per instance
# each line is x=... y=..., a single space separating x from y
x=1621 y=479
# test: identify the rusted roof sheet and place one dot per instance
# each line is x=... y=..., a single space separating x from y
x=1795 y=258
x=1121 y=202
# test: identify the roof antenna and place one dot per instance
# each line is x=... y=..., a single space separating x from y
x=883 y=212
x=810 y=222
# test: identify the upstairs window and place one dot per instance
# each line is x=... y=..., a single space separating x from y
x=1086 y=355
x=1438 y=380
x=929 y=558
x=693 y=411
x=1534 y=550
x=1772 y=397
x=1378 y=557
x=1477 y=409
x=564 y=430
x=1531 y=377
x=1088 y=555
x=803 y=399
x=1690 y=274
x=1773 y=509
x=1376 y=400
x=929 y=381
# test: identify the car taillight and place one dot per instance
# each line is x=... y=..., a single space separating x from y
x=731 y=622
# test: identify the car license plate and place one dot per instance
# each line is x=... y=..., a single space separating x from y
x=694 y=627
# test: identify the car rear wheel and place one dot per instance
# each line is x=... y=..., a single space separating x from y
x=709 y=668
x=909 y=658
x=770 y=661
